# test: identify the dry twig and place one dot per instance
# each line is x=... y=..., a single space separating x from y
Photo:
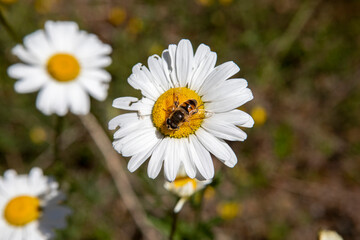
x=114 y=164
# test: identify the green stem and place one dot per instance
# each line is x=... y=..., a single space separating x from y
x=58 y=129
x=7 y=27
x=199 y=208
x=173 y=225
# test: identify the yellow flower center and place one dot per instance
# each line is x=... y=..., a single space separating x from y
x=182 y=181
x=63 y=67
x=22 y=210
x=175 y=106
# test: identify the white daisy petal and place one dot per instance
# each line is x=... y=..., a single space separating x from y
x=31 y=78
x=64 y=65
x=20 y=70
x=129 y=128
x=230 y=101
x=125 y=103
x=122 y=120
x=62 y=34
x=138 y=159
x=24 y=55
x=224 y=130
x=169 y=64
x=31 y=232
x=145 y=106
x=38 y=45
x=201 y=53
x=17 y=234
x=94 y=87
x=201 y=157
x=135 y=145
x=184 y=61
x=141 y=79
x=131 y=140
x=96 y=62
x=216 y=146
x=172 y=161
x=204 y=63
x=157 y=158
x=156 y=68
x=34 y=175
x=236 y=117
x=79 y=101
x=228 y=86
x=59 y=100
x=179 y=205
x=189 y=165
x=204 y=69
x=97 y=74
x=7 y=234
x=45 y=99
x=29 y=84
x=218 y=76
x=86 y=41
x=10 y=175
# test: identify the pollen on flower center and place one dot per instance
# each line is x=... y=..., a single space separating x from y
x=182 y=181
x=63 y=67
x=188 y=115
x=22 y=210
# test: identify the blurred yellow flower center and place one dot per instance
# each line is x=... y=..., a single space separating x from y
x=22 y=210
x=259 y=115
x=63 y=67
x=182 y=181
x=184 y=122
x=117 y=16
x=228 y=210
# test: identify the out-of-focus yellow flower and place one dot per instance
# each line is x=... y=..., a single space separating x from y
x=329 y=235
x=205 y=3
x=156 y=48
x=37 y=135
x=259 y=115
x=117 y=16
x=184 y=187
x=209 y=192
x=135 y=26
x=8 y=1
x=225 y=2
x=45 y=6
x=228 y=210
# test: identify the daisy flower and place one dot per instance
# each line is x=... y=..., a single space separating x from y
x=65 y=65
x=184 y=187
x=329 y=235
x=29 y=206
x=187 y=110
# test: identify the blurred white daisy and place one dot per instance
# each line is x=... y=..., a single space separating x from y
x=329 y=235
x=184 y=187
x=65 y=65
x=29 y=206
x=187 y=110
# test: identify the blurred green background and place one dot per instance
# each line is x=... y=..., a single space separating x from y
x=299 y=169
